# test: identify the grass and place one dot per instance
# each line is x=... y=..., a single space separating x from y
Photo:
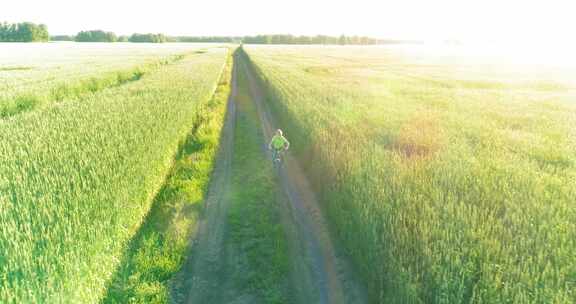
x=78 y=89
x=48 y=73
x=159 y=249
x=15 y=68
x=254 y=224
x=446 y=181
x=78 y=178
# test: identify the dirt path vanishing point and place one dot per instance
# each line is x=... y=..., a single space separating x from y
x=327 y=270
x=319 y=274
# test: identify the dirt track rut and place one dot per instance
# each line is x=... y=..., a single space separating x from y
x=202 y=273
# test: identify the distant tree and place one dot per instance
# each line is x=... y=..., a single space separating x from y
x=122 y=38
x=305 y=40
x=259 y=39
x=171 y=39
x=111 y=37
x=42 y=33
x=62 y=38
x=151 y=38
x=220 y=39
x=95 y=36
x=23 y=32
x=354 y=40
x=322 y=39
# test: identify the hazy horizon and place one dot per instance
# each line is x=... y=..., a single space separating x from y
x=411 y=19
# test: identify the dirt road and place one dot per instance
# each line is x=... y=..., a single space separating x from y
x=318 y=273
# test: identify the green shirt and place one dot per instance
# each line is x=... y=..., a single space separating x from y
x=279 y=142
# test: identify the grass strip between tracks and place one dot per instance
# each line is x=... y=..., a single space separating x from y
x=254 y=220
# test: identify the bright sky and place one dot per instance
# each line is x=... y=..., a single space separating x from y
x=407 y=19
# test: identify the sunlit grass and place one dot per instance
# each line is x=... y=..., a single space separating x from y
x=78 y=178
x=448 y=179
x=34 y=75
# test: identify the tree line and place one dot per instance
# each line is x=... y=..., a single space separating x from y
x=287 y=39
x=204 y=39
x=100 y=36
x=23 y=32
x=96 y=36
x=27 y=32
x=153 y=38
x=318 y=39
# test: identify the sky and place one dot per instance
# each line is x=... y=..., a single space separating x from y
x=550 y=20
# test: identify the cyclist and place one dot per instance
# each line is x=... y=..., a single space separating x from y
x=278 y=144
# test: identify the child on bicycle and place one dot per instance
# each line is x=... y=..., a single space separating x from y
x=278 y=144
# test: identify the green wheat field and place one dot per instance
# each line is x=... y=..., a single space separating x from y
x=448 y=179
x=445 y=178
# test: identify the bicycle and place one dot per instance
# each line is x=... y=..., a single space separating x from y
x=277 y=156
